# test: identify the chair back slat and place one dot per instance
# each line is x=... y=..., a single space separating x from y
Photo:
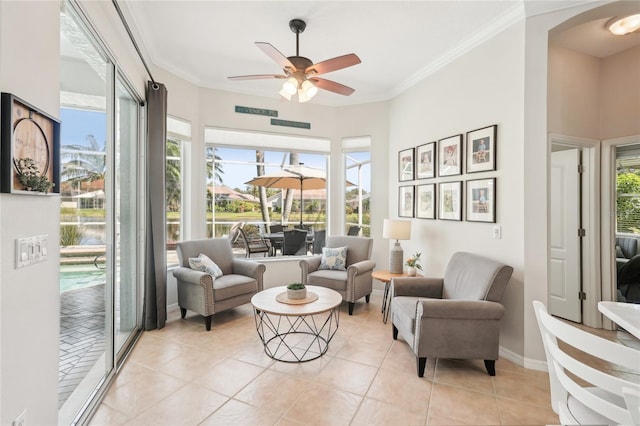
x=604 y=397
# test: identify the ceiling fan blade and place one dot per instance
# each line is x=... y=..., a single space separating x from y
x=276 y=55
x=334 y=64
x=332 y=86
x=256 y=77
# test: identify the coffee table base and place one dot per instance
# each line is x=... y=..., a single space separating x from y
x=296 y=338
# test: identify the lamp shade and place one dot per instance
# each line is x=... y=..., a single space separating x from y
x=396 y=229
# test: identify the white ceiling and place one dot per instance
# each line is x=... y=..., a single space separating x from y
x=399 y=42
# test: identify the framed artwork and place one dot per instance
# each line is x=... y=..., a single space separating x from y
x=29 y=148
x=425 y=161
x=426 y=201
x=481 y=149
x=450 y=156
x=405 y=165
x=405 y=201
x=481 y=200
x=450 y=201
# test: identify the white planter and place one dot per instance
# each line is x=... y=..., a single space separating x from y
x=297 y=294
x=411 y=271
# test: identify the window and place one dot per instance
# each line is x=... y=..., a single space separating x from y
x=234 y=158
x=179 y=134
x=357 y=160
x=628 y=189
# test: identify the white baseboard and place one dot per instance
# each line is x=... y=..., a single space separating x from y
x=172 y=307
x=532 y=364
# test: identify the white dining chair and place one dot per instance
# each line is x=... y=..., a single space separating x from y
x=609 y=399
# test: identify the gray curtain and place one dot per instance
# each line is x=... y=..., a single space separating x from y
x=155 y=293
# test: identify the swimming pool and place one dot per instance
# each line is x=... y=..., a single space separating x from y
x=73 y=278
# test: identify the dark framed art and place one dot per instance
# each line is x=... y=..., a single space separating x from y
x=481 y=149
x=405 y=201
x=425 y=161
x=481 y=200
x=405 y=165
x=450 y=201
x=29 y=148
x=450 y=156
x=426 y=201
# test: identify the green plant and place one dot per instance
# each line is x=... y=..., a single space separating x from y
x=70 y=235
x=29 y=176
x=414 y=261
x=295 y=286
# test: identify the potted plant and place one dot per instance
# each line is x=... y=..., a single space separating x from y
x=413 y=263
x=296 y=291
x=29 y=176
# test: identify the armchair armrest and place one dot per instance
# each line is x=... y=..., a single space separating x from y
x=190 y=275
x=361 y=267
x=308 y=265
x=417 y=287
x=248 y=268
x=459 y=309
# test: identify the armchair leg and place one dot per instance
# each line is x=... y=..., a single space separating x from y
x=421 y=362
x=395 y=332
x=351 y=305
x=207 y=322
x=367 y=297
x=490 y=364
x=183 y=312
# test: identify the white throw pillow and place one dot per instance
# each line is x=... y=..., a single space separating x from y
x=204 y=264
x=334 y=258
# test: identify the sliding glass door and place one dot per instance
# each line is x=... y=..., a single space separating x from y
x=100 y=217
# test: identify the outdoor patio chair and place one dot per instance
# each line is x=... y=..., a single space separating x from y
x=255 y=244
x=295 y=242
x=203 y=292
x=319 y=240
x=353 y=231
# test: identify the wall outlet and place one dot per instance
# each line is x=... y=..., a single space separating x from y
x=497 y=232
x=20 y=420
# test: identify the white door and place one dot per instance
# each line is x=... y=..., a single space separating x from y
x=564 y=286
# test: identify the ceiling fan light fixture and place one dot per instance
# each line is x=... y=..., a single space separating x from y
x=626 y=25
x=302 y=97
x=290 y=86
x=309 y=89
x=285 y=95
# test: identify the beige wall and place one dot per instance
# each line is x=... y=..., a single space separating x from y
x=481 y=88
x=620 y=95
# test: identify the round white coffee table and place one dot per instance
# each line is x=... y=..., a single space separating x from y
x=292 y=332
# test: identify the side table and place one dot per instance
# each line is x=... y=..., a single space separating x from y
x=385 y=276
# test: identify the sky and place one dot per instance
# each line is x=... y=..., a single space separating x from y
x=78 y=124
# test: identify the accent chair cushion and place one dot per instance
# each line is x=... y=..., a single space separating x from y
x=334 y=259
x=204 y=264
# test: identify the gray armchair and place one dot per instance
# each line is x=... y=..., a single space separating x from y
x=457 y=316
x=352 y=284
x=200 y=292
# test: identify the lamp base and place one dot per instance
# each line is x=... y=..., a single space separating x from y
x=395 y=259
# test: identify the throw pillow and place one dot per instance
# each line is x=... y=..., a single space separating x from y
x=204 y=264
x=334 y=258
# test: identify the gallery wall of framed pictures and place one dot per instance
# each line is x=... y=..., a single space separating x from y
x=453 y=190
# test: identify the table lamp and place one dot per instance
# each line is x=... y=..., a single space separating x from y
x=396 y=230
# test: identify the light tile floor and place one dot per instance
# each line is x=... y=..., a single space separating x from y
x=183 y=375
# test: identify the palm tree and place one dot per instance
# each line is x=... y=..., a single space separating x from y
x=173 y=174
x=88 y=164
x=294 y=159
x=262 y=190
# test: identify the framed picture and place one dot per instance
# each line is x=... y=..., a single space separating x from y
x=405 y=165
x=450 y=156
x=425 y=161
x=450 y=201
x=481 y=149
x=426 y=201
x=405 y=201
x=481 y=200
x=29 y=148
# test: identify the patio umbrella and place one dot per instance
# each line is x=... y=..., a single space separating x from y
x=294 y=177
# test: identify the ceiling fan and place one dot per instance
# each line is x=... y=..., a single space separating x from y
x=300 y=73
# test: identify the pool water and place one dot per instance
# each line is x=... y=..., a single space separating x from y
x=76 y=279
